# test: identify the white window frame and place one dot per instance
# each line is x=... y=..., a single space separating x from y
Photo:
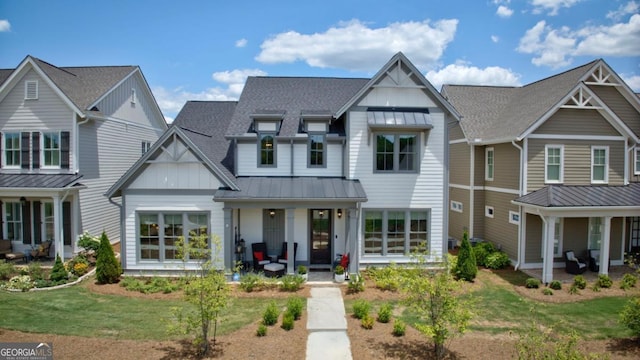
x=487 y=165
x=43 y=164
x=514 y=217
x=409 y=233
x=188 y=229
x=560 y=179
x=16 y=224
x=557 y=239
x=48 y=220
x=489 y=211
x=5 y=149
x=27 y=83
x=311 y=150
x=592 y=240
x=637 y=162
x=606 y=164
x=146 y=145
x=456 y=206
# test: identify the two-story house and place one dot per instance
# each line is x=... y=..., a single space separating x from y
x=548 y=167
x=68 y=133
x=334 y=165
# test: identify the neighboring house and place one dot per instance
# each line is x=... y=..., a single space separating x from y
x=548 y=167
x=68 y=133
x=336 y=165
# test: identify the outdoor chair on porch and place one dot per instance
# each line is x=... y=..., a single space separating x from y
x=282 y=259
x=42 y=251
x=574 y=265
x=260 y=257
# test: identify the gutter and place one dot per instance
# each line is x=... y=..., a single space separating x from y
x=521 y=180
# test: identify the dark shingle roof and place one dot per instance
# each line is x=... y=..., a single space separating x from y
x=291 y=95
x=492 y=113
x=38 y=181
x=583 y=196
x=205 y=123
x=294 y=189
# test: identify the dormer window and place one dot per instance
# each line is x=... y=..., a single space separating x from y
x=316 y=125
x=267 y=156
x=316 y=146
x=31 y=90
x=266 y=124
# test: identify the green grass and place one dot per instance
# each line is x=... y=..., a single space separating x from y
x=77 y=311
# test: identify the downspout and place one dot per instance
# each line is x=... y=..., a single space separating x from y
x=521 y=187
x=76 y=144
x=122 y=227
x=291 y=156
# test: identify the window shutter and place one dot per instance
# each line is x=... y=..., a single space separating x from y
x=2 y=143
x=37 y=222
x=66 y=222
x=64 y=149
x=26 y=223
x=36 y=149
x=24 y=150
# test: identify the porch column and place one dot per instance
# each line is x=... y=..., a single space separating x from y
x=228 y=245
x=548 y=236
x=352 y=240
x=58 y=236
x=291 y=261
x=604 y=246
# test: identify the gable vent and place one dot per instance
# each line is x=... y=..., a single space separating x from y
x=31 y=90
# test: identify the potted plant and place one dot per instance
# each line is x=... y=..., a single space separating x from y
x=302 y=271
x=339 y=274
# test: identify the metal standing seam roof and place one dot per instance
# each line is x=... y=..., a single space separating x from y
x=559 y=196
x=39 y=181
x=420 y=120
x=293 y=189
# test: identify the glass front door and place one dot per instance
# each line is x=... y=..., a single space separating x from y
x=320 y=237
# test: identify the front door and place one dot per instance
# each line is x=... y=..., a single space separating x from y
x=320 y=237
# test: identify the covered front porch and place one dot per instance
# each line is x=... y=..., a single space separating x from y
x=316 y=218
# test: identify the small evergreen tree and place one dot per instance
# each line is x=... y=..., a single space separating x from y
x=107 y=266
x=58 y=272
x=466 y=267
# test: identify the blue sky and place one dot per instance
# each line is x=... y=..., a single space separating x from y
x=195 y=50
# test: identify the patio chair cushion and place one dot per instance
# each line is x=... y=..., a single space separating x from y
x=258 y=255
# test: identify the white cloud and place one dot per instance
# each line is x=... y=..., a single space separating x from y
x=241 y=43
x=504 y=11
x=556 y=47
x=631 y=7
x=495 y=38
x=540 y=6
x=172 y=100
x=355 y=46
x=5 y=25
x=633 y=81
x=462 y=73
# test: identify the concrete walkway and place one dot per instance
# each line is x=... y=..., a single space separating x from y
x=327 y=325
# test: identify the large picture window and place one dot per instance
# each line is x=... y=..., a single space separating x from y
x=316 y=150
x=12 y=149
x=599 y=164
x=553 y=164
x=51 y=149
x=267 y=150
x=158 y=233
x=395 y=232
x=396 y=152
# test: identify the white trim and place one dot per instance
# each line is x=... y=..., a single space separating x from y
x=486 y=188
x=606 y=164
x=457 y=141
x=636 y=161
x=546 y=164
x=577 y=137
x=513 y=214
x=456 y=206
x=488 y=150
x=3 y=138
x=42 y=150
x=472 y=160
x=26 y=90
x=489 y=211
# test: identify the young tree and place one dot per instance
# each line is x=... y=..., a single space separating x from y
x=58 y=272
x=206 y=288
x=466 y=267
x=107 y=266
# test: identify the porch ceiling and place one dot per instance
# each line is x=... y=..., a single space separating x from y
x=39 y=181
x=294 y=189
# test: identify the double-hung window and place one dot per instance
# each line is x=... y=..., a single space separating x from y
x=396 y=153
x=599 y=164
x=51 y=149
x=158 y=233
x=316 y=148
x=637 y=162
x=13 y=213
x=395 y=232
x=267 y=156
x=553 y=169
x=489 y=164
x=595 y=232
x=48 y=223
x=12 y=150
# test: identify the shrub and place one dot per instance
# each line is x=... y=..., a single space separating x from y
x=270 y=315
x=580 y=282
x=532 y=283
x=89 y=242
x=604 y=281
x=481 y=251
x=367 y=322
x=628 y=281
x=58 y=273
x=497 y=260
x=385 y=278
x=20 y=282
x=574 y=289
x=466 y=268
x=384 y=313
x=262 y=330
x=361 y=308
x=399 y=327
x=356 y=284
x=630 y=316
x=339 y=270
x=251 y=282
x=595 y=287
x=555 y=285
x=547 y=291
x=302 y=269
x=295 y=306
x=291 y=282
x=7 y=270
x=107 y=266
x=36 y=272
x=287 y=321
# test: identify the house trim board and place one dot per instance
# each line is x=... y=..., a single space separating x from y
x=576 y=137
x=486 y=188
